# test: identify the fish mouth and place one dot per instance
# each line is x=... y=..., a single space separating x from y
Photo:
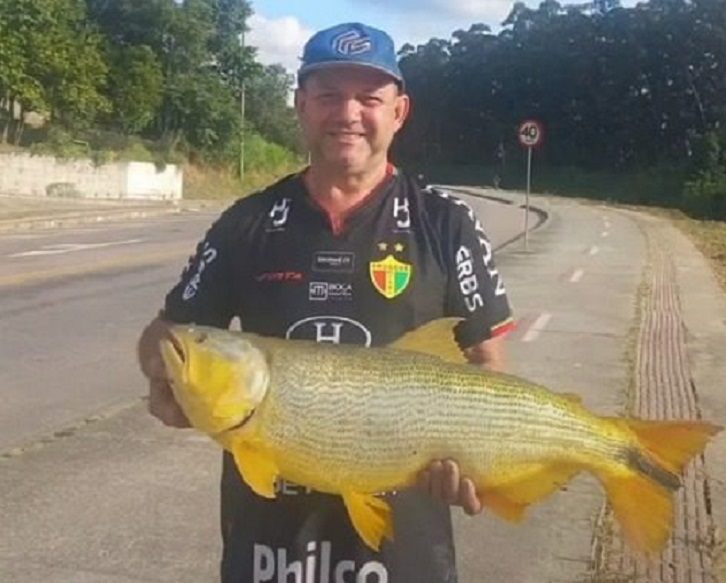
x=241 y=424
x=244 y=421
x=172 y=351
x=178 y=348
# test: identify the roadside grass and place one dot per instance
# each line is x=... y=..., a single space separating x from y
x=710 y=239
x=220 y=185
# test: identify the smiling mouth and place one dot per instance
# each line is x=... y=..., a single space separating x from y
x=346 y=135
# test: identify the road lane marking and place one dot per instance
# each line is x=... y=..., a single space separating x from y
x=60 y=248
x=594 y=250
x=537 y=327
x=604 y=233
x=577 y=275
x=126 y=262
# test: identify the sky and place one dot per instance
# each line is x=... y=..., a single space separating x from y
x=280 y=28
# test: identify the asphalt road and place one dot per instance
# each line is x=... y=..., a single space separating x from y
x=72 y=303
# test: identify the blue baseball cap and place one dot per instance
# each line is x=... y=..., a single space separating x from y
x=348 y=44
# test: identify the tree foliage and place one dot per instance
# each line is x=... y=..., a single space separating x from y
x=170 y=71
x=617 y=89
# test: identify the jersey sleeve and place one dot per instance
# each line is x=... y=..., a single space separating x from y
x=205 y=292
x=476 y=289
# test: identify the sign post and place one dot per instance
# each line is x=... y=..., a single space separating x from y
x=530 y=135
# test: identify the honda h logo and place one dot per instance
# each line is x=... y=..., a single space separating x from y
x=332 y=329
x=279 y=212
x=352 y=42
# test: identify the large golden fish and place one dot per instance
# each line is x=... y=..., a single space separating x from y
x=358 y=421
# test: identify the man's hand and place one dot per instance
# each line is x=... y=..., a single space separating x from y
x=162 y=404
x=442 y=480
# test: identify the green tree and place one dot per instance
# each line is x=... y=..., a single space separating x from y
x=136 y=87
x=268 y=108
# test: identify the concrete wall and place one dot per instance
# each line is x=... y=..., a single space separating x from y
x=26 y=175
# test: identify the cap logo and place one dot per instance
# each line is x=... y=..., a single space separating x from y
x=352 y=42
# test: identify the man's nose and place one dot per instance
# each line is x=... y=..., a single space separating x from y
x=349 y=109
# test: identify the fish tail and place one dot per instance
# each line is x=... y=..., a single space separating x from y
x=642 y=496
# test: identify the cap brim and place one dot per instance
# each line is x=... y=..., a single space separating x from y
x=347 y=64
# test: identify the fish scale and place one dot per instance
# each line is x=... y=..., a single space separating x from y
x=369 y=420
x=358 y=421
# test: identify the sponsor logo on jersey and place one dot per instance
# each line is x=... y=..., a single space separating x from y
x=287 y=488
x=334 y=329
x=486 y=246
x=390 y=276
x=272 y=565
x=321 y=291
x=279 y=214
x=206 y=258
x=468 y=281
x=402 y=213
x=280 y=276
x=333 y=261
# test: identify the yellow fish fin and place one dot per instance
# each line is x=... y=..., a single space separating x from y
x=641 y=494
x=502 y=506
x=435 y=338
x=371 y=517
x=673 y=443
x=527 y=486
x=643 y=509
x=256 y=466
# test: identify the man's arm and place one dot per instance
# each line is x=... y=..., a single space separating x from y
x=204 y=295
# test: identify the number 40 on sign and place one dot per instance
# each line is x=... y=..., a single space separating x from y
x=530 y=135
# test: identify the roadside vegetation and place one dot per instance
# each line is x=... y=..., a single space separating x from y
x=147 y=80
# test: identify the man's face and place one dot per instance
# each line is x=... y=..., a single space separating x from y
x=349 y=116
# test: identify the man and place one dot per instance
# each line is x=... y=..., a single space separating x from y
x=349 y=250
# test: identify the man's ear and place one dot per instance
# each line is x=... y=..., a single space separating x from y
x=403 y=108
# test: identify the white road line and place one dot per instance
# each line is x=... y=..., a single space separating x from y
x=604 y=234
x=60 y=248
x=537 y=326
x=594 y=250
x=577 y=275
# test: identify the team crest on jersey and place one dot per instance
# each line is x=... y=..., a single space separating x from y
x=390 y=276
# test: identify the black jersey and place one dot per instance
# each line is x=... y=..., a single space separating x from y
x=405 y=256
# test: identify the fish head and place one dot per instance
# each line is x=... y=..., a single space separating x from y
x=218 y=377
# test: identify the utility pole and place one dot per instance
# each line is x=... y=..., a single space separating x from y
x=242 y=112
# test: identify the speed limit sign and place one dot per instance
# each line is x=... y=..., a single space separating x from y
x=530 y=133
